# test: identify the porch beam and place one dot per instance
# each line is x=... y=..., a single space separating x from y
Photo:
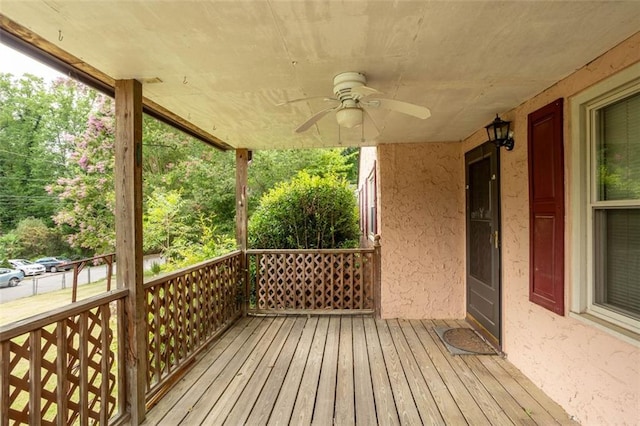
x=129 y=273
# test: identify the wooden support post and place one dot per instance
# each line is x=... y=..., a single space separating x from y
x=377 y=276
x=242 y=166
x=128 y=188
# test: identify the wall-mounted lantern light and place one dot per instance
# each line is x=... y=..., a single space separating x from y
x=499 y=133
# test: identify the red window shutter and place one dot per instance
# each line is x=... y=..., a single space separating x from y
x=546 y=207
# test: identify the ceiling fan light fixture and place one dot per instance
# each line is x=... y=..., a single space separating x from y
x=349 y=117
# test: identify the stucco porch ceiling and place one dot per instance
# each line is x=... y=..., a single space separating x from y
x=224 y=66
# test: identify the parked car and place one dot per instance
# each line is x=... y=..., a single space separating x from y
x=28 y=267
x=54 y=264
x=10 y=277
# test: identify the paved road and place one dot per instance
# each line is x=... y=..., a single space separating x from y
x=50 y=282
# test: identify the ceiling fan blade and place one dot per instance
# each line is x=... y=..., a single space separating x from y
x=364 y=91
x=312 y=120
x=306 y=99
x=400 y=106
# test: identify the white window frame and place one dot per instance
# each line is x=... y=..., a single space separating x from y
x=583 y=201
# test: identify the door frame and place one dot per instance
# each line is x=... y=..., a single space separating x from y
x=487 y=149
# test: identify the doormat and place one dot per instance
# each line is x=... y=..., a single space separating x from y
x=464 y=341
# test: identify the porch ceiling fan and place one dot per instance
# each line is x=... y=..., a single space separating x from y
x=354 y=98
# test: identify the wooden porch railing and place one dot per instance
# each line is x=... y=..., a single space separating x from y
x=79 y=265
x=63 y=366
x=308 y=281
x=67 y=366
x=185 y=311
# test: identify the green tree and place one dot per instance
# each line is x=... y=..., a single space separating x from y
x=163 y=221
x=88 y=197
x=211 y=243
x=307 y=212
x=37 y=124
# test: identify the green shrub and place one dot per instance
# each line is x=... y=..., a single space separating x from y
x=307 y=212
x=156 y=268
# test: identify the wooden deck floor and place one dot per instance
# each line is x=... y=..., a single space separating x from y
x=349 y=370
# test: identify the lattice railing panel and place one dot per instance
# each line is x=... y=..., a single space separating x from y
x=186 y=308
x=312 y=280
x=60 y=367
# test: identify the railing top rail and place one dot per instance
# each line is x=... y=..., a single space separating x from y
x=309 y=251
x=89 y=259
x=35 y=322
x=180 y=272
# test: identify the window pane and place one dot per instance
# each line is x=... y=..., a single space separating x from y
x=618 y=148
x=617 y=243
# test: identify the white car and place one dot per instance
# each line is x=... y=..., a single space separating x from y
x=28 y=267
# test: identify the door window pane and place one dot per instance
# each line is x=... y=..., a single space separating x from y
x=480 y=232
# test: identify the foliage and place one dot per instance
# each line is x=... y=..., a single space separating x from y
x=9 y=248
x=32 y=238
x=88 y=198
x=269 y=168
x=56 y=175
x=36 y=124
x=206 y=181
x=307 y=212
x=185 y=252
x=162 y=223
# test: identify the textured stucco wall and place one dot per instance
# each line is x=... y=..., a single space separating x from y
x=422 y=229
x=591 y=373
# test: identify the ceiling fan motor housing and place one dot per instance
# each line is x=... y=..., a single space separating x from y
x=344 y=82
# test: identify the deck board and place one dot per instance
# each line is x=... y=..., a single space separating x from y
x=345 y=409
x=422 y=363
x=348 y=370
x=481 y=395
x=406 y=406
x=363 y=389
x=264 y=351
x=169 y=400
x=439 y=362
x=218 y=387
x=187 y=400
x=385 y=405
x=422 y=394
x=305 y=399
x=239 y=413
x=263 y=407
x=283 y=407
x=326 y=392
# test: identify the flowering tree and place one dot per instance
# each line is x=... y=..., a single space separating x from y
x=88 y=197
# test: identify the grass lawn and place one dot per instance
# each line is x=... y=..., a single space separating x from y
x=33 y=305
